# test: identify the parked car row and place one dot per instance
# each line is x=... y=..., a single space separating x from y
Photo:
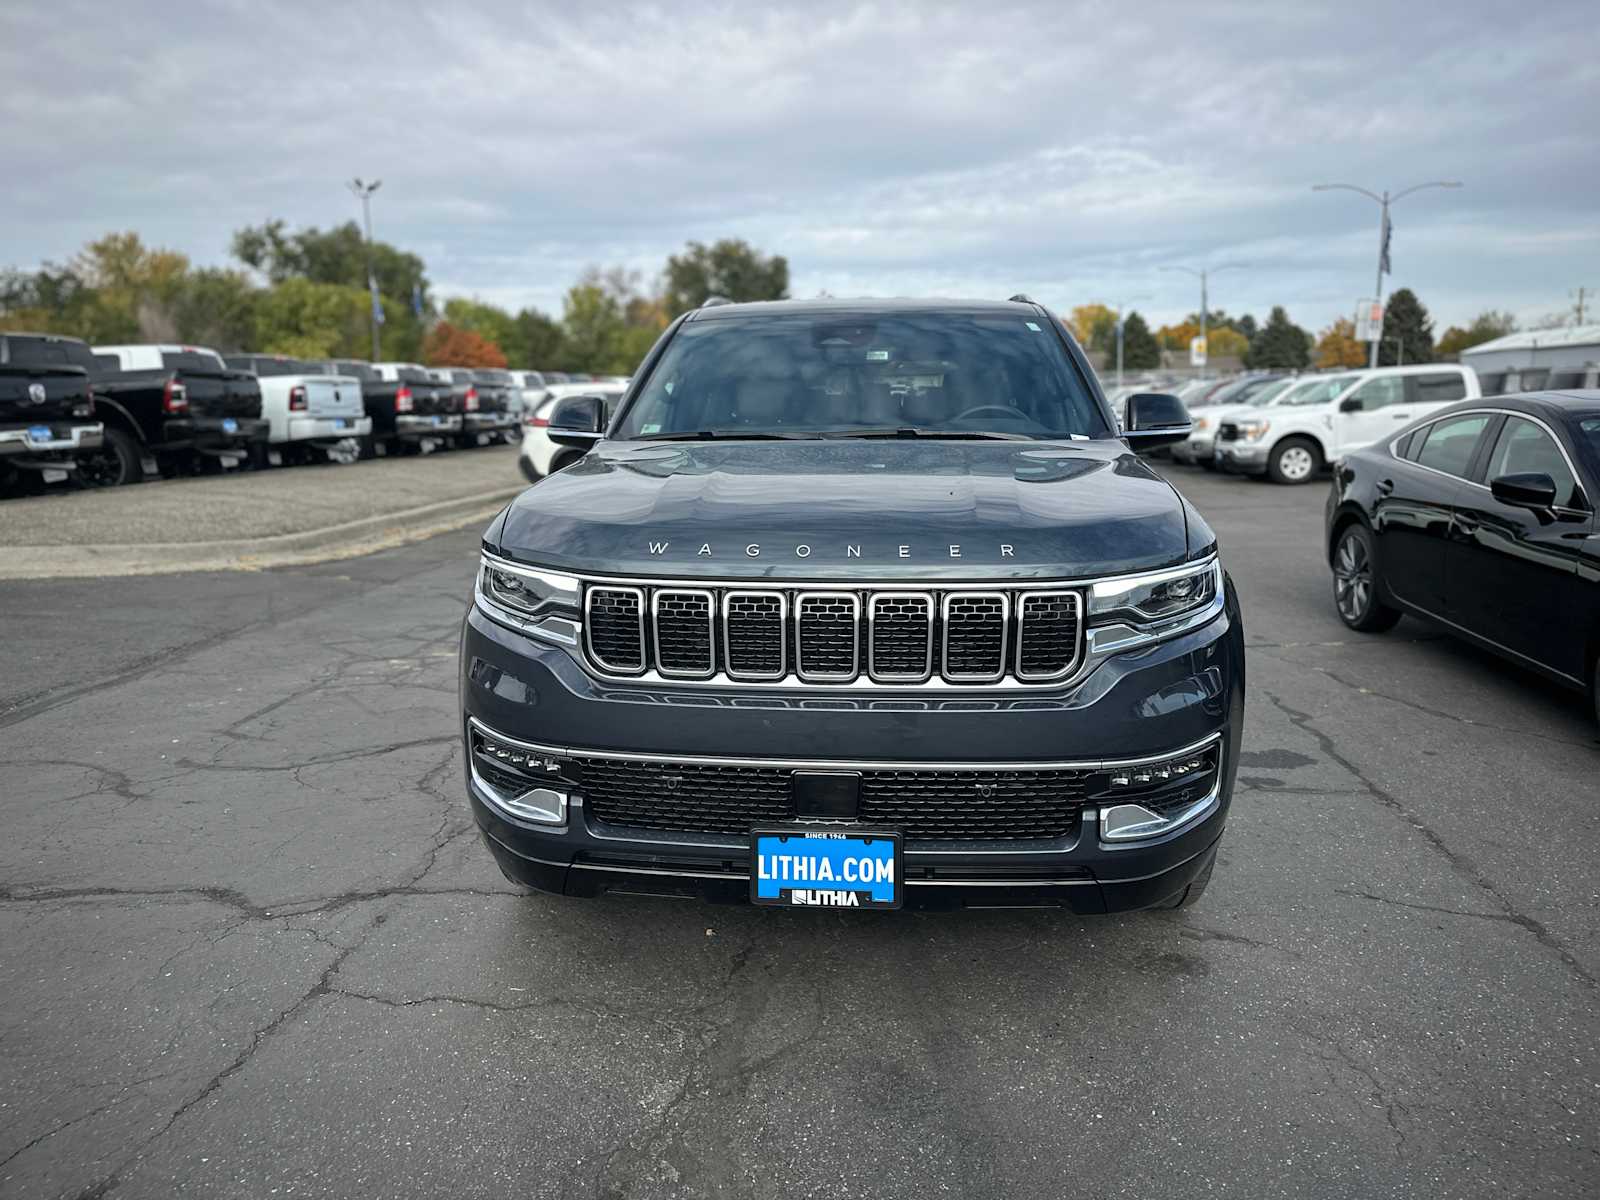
x=108 y=415
x=1289 y=428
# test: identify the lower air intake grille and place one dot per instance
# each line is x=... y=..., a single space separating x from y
x=928 y=804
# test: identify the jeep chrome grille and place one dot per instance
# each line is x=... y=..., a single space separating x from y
x=968 y=636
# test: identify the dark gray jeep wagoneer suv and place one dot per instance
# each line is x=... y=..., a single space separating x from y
x=857 y=604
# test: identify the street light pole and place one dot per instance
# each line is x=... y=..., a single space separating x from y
x=363 y=192
x=1203 y=275
x=1122 y=313
x=1383 y=202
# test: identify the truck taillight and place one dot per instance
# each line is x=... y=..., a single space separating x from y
x=175 y=397
x=472 y=399
x=539 y=422
x=402 y=399
x=297 y=399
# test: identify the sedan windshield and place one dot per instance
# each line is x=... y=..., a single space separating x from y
x=950 y=374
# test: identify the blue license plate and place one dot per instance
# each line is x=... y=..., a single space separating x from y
x=822 y=869
x=436 y=420
x=340 y=423
x=39 y=433
x=229 y=425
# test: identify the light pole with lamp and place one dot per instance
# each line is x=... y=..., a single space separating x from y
x=1203 y=275
x=363 y=192
x=1383 y=202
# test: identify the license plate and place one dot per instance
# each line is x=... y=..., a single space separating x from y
x=340 y=423
x=39 y=433
x=229 y=425
x=810 y=868
x=436 y=421
x=228 y=460
x=51 y=475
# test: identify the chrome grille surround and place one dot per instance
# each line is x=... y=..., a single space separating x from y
x=959 y=613
x=1021 y=668
x=842 y=612
x=605 y=619
x=677 y=640
x=744 y=611
x=896 y=623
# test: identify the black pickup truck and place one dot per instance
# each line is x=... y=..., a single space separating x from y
x=48 y=430
x=498 y=417
x=176 y=409
x=410 y=409
x=857 y=604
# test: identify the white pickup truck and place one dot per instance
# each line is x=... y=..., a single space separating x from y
x=1291 y=443
x=311 y=415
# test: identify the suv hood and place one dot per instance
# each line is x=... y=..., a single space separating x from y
x=878 y=509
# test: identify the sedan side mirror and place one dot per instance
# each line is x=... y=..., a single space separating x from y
x=578 y=421
x=1155 y=419
x=1352 y=404
x=1525 y=489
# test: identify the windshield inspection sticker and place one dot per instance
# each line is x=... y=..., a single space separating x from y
x=651 y=427
x=877 y=356
x=1033 y=327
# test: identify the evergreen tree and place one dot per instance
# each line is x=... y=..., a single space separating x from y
x=1280 y=343
x=1405 y=319
x=1140 y=350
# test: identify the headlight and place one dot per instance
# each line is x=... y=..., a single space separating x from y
x=1156 y=599
x=542 y=603
x=1254 y=431
x=1201 y=424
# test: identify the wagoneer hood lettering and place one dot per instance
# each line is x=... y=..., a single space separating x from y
x=863 y=508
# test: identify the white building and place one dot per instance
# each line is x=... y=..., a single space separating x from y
x=1537 y=359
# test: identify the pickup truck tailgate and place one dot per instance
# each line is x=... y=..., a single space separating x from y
x=333 y=395
x=223 y=393
x=40 y=394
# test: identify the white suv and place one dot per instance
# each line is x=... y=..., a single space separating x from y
x=1290 y=443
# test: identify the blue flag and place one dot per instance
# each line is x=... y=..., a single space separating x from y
x=377 y=303
x=416 y=299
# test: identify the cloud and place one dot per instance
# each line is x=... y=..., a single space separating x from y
x=1069 y=150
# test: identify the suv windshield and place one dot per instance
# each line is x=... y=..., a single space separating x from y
x=951 y=373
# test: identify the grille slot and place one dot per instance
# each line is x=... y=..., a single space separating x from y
x=900 y=637
x=614 y=627
x=755 y=635
x=995 y=805
x=975 y=636
x=1048 y=629
x=686 y=645
x=827 y=636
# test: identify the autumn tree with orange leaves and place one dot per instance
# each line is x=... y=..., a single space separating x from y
x=449 y=345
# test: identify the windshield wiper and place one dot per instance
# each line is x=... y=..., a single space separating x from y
x=912 y=431
x=706 y=435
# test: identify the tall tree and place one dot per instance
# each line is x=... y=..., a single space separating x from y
x=312 y=320
x=336 y=255
x=1095 y=326
x=1338 y=346
x=1225 y=342
x=1485 y=327
x=1280 y=343
x=541 y=342
x=730 y=268
x=1140 y=351
x=1405 y=321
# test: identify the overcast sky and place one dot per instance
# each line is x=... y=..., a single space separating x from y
x=1066 y=150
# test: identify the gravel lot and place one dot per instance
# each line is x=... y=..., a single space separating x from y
x=253 y=947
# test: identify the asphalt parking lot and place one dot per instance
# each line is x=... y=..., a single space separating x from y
x=253 y=947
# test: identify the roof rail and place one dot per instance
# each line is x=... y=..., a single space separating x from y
x=1021 y=298
x=714 y=301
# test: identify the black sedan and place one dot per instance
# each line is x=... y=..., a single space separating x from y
x=1480 y=518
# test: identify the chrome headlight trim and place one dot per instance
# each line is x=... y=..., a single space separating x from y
x=554 y=614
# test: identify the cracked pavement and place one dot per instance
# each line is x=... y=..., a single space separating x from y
x=252 y=946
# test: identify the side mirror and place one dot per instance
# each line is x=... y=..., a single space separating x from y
x=1525 y=489
x=578 y=421
x=1352 y=404
x=1155 y=419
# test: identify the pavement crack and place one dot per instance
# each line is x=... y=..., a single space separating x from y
x=1458 y=862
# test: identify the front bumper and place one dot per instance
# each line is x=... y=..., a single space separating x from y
x=1195 y=450
x=20 y=448
x=1244 y=458
x=415 y=426
x=1150 y=703
x=327 y=429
